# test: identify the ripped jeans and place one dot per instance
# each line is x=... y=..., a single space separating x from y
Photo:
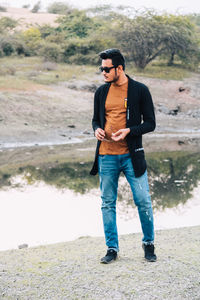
x=110 y=167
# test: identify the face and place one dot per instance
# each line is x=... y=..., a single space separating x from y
x=113 y=75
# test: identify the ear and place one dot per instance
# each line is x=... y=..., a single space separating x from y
x=120 y=68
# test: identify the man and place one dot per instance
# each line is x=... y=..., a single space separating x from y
x=123 y=112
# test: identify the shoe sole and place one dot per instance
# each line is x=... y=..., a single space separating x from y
x=151 y=260
x=108 y=262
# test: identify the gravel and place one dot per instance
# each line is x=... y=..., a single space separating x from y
x=72 y=270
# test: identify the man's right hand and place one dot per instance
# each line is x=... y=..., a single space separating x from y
x=99 y=134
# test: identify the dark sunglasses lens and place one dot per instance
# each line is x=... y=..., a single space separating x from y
x=106 y=69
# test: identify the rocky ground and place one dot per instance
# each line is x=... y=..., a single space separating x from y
x=72 y=270
x=62 y=113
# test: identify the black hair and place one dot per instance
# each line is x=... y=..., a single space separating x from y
x=115 y=55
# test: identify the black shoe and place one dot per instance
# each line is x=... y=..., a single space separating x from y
x=110 y=256
x=149 y=252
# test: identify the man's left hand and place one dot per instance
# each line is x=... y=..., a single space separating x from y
x=120 y=134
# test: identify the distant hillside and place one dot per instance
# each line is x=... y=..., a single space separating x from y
x=28 y=19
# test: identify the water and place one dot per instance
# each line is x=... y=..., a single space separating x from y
x=54 y=203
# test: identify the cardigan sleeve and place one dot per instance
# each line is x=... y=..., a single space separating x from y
x=96 y=112
x=147 y=112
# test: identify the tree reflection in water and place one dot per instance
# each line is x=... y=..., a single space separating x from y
x=172 y=178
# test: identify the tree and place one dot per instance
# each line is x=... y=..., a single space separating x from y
x=149 y=36
x=181 y=39
x=36 y=7
x=141 y=38
x=77 y=24
x=59 y=8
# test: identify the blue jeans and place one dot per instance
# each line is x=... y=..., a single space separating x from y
x=110 y=167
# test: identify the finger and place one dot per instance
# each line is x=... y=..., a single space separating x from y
x=100 y=130
x=117 y=133
x=100 y=137
x=116 y=138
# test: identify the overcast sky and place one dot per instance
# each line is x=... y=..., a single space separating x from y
x=172 y=6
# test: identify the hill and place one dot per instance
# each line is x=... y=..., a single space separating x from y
x=27 y=19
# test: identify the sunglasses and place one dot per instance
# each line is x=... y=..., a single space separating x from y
x=106 y=69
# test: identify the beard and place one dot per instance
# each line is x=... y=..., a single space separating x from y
x=115 y=79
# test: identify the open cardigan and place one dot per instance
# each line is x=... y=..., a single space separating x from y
x=140 y=118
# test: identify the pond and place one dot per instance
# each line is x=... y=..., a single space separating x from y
x=56 y=202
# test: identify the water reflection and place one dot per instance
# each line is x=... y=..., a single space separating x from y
x=60 y=201
x=172 y=178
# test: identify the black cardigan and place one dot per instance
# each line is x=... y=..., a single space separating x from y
x=140 y=118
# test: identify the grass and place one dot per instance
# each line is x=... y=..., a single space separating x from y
x=161 y=70
x=24 y=73
x=31 y=70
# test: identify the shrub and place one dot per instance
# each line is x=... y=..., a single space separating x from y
x=59 y=8
x=2 y=8
x=7 y=24
x=7 y=48
x=26 y=6
x=51 y=52
x=32 y=39
x=84 y=51
x=83 y=59
x=36 y=7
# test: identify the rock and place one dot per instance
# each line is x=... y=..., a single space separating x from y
x=182 y=89
x=163 y=109
x=175 y=111
x=26 y=124
x=181 y=142
x=83 y=86
x=23 y=246
x=71 y=126
x=194 y=113
x=91 y=88
x=86 y=132
x=73 y=87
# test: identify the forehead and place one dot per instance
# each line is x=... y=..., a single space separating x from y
x=107 y=62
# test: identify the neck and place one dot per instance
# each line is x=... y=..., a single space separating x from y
x=122 y=79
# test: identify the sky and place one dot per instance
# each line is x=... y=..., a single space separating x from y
x=171 y=6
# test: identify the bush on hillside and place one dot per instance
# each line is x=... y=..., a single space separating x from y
x=26 y=6
x=59 y=8
x=3 y=9
x=84 y=51
x=32 y=39
x=7 y=24
x=51 y=52
x=6 y=47
x=36 y=7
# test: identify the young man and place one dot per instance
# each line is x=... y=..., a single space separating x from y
x=123 y=112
